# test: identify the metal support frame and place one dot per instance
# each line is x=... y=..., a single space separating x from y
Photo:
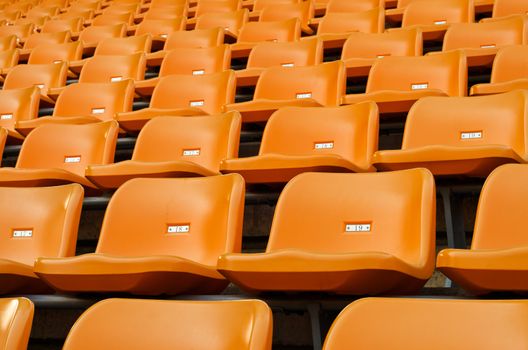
x=314 y=310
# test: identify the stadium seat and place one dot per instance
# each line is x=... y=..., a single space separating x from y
x=160 y=29
x=215 y=6
x=331 y=139
x=62 y=25
x=106 y=69
x=434 y=17
x=468 y=136
x=334 y=28
x=8 y=59
x=307 y=52
x=43 y=76
x=188 y=61
x=312 y=86
x=36 y=222
x=51 y=53
x=166 y=12
x=496 y=261
x=198 y=38
x=252 y=33
x=503 y=8
x=174 y=230
x=37 y=39
x=107 y=19
x=8 y=42
x=257 y=6
x=303 y=11
x=361 y=234
x=21 y=31
x=361 y=50
x=121 y=323
x=509 y=72
x=42 y=11
x=18 y=104
x=73 y=12
x=45 y=163
x=184 y=95
x=446 y=324
x=175 y=147
x=480 y=41
x=232 y=22
x=395 y=83
x=343 y=6
x=84 y=103
x=16 y=316
x=90 y=37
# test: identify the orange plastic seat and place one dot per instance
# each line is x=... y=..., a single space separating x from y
x=307 y=52
x=52 y=53
x=480 y=41
x=353 y=6
x=160 y=28
x=115 y=323
x=304 y=11
x=467 y=136
x=503 y=8
x=347 y=234
x=62 y=25
x=171 y=245
x=37 y=222
x=15 y=105
x=216 y=6
x=395 y=83
x=8 y=59
x=332 y=139
x=252 y=33
x=188 y=61
x=361 y=50
x=107 y=19
x=37 y=39
x=85 y=14
x=312 y=86
x=84 y=103
x=93 y=35
x=497 y=259
x=434 y=17
x=8 y=42
x=175 y=147
x=184 y=95
x=42 y=11
x=166 y=12
x=231 y=22
x=21 y=31
x=334 y=28
x=16 y=316
x=509 y=72
x=119 y=8
x=463 y=324
x=45 y=163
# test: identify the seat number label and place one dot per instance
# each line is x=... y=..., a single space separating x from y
x=6 y=116
x=304 y=95
x=198 y=72
x=471 y=135
x=185 y=228
x=488 y=46
x=98 y=110
x=357 y=228
x=420 y=86
x=289 y=65
x=22 y=233
x=197 y=103
x=323 y=145
x=114 y=79
x=72 y=159
x=191 y=152
x=440 y=22
x=40 y=86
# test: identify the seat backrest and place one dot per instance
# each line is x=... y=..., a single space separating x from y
x=194 y=218
x=511 y=62
x=217 y=6
x=371 y=21
x=115 y=323
x=325 y=83
x=208 y=92
x=444 y=71
x=113 y=18
x=119 y=8
x=392 y=213
x=289 y=30
x=349 y=131
x=124 y=46
x=51 y=53
x=39 y=221
x=485 y=34
x=21 y=31
x=205 y=141
x=198 y=38
x=42 y=11
x=353 y=6
x=438 y=12
x=259 y=5
x=85 y=14
x=469 y=121
x=18 y=104
x=166 y=3
x=304 y=11
x=104 y=69
x=101 y=100
x=478 y=324
x=62 y=25
x=502 y=8
x=300 y=53
x=196 y=61
x=376 y=45
x=160 y=27
x=46 y=38
x=168 y=12
x=502 y=209
x=96 y=34
x=232 y=21
x=16 y=317
x=9 y=58
x=74 y=146
x=8 y=42
x=43 y=76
